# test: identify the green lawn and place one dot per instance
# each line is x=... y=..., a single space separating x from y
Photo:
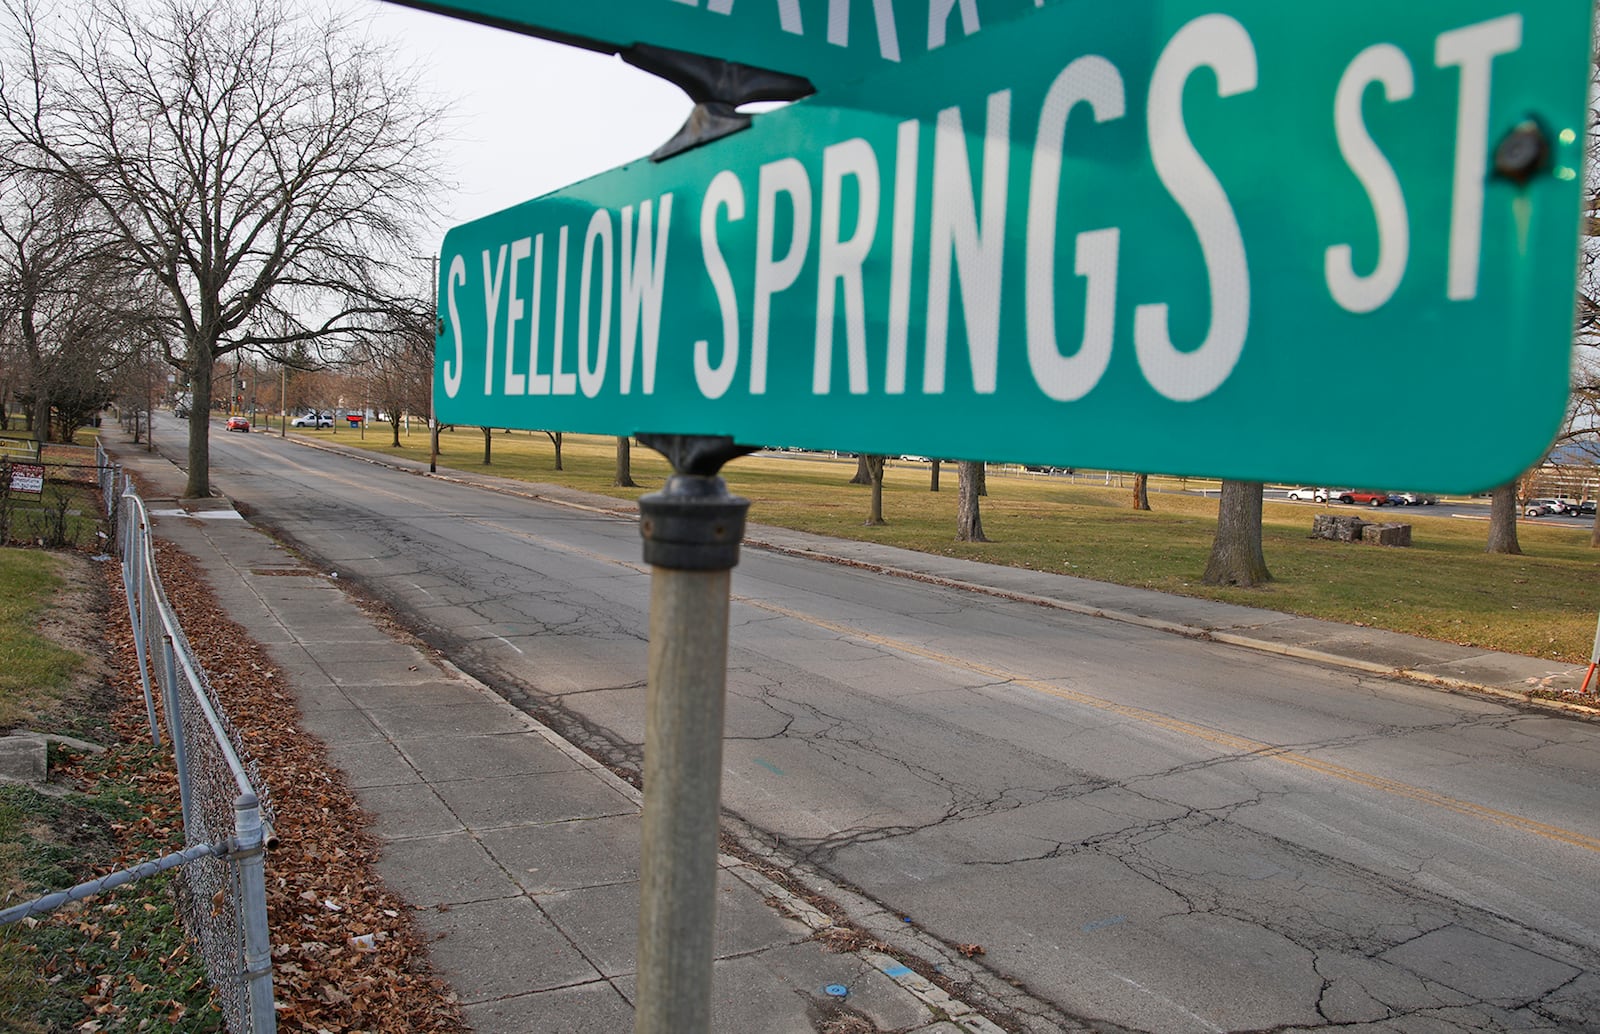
x=34 y=672
x=1445 y=586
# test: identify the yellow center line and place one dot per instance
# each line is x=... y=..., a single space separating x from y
x=1239 y=744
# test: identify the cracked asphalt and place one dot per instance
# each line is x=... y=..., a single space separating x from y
x=1143 y=832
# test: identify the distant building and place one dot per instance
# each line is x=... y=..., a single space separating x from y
x=1571 y=471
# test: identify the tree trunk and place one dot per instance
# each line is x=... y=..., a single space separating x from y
x=394 y=422
x=969 y=522
x=41 y=419
x=1141 y=494
x=981 y=477
x=1503 y=521
x=1594 y=532
x=488 y=439
x=933 y=479
x=555 y=440
x=624 y=476
x=201 y=364
x=863 y=476
x=1236 y=557
x=875 y=469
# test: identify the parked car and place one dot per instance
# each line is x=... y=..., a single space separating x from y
x=312 y=420
x=1418 y=499
x=238 y=423
x=1306 y=495
x=1586 y=508
x=1543 y=507
x=1355 y=495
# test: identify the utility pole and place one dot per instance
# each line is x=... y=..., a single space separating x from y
x=433 y=324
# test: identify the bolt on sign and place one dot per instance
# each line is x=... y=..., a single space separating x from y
x=1184 y=237
x=825 y=41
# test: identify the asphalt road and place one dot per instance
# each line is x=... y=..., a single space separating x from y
x=1144 y=832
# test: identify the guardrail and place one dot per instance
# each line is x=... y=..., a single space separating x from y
x=227 y=811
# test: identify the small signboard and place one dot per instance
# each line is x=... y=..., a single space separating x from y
x=27 y=478
x=1178 y=237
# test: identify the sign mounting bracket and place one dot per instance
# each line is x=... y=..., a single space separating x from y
x=717 y=87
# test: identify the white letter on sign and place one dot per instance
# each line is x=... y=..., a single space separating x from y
x=1386 y=64
x=493 y=280
x=515 y=384
x=591 y=377
x=1474 y=49
x=1221 y=44
x=1066 y=379
x=773 y=274
x=978 y=251
x=642 y=279
x=452 y=371
x=883 y=17
x=840 y=261
x=561 y=382
x=788 y=12
x=724 y=191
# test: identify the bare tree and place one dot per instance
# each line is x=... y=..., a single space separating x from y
x=1236 y=555
x=74 y=320
x=969 y=522
x=624 y=474
x=262 y=166
x=863 y=474
x=555 y=441
x=398 y=368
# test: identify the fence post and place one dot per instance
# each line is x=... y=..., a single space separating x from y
x=139 y=597
x=174 y=708
x=252 y=862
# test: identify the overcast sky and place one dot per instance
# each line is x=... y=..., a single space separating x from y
x=531 y=116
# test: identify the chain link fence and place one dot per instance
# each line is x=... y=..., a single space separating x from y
x=227 y=811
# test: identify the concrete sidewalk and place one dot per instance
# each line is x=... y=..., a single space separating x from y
x=1430 y=661
x=520 y=853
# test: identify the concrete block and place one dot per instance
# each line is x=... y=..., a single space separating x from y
x=1386 y=534
x=1338 y=527
x=23 y=758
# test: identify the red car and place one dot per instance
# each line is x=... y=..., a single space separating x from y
x=238 y=423
x=1369 y=498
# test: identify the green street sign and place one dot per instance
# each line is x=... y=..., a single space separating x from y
x=1161 y=237
x=826 y=41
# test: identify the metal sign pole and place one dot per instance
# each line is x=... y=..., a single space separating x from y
x=691 y=530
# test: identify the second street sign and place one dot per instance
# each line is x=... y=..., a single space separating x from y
x=826 y=41
x=1177 y=237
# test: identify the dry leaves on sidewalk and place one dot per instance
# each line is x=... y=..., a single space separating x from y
x=347 y=955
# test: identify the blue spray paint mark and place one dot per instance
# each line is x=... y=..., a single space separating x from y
x=769 y=766
x=897 y=971
x=837 y=990
x=1101 y=924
